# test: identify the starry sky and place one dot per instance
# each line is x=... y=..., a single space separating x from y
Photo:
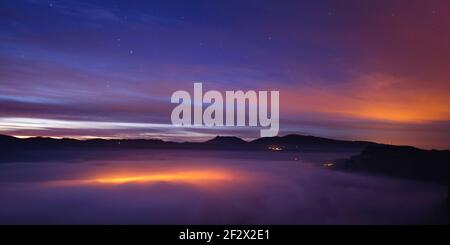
x=356 y=69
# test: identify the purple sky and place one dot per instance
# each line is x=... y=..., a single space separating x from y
x=366 y=70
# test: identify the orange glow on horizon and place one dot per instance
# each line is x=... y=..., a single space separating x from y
x=376 y=97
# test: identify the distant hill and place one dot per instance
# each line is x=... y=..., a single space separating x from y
x=42 y=148
x=8 y=139
x=306 y=142
x=288 y=143
x=226 y=140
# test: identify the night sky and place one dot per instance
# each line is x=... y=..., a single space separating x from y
x=362 y=70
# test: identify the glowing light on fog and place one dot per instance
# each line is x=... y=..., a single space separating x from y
x=190 y=177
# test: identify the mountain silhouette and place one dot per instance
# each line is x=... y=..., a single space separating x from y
x=402 y=161
x=227 y=140
x=306 y=142
x=44 y=148
x=289 y=143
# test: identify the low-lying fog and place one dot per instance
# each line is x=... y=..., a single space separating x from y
x=209 y=187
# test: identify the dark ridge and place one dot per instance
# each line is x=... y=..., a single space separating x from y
x=226 y=140
x=288 y=143
x=402 y=161
x=7 y=137
x=304 y=142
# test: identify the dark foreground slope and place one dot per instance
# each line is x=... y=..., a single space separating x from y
x=402 y=161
